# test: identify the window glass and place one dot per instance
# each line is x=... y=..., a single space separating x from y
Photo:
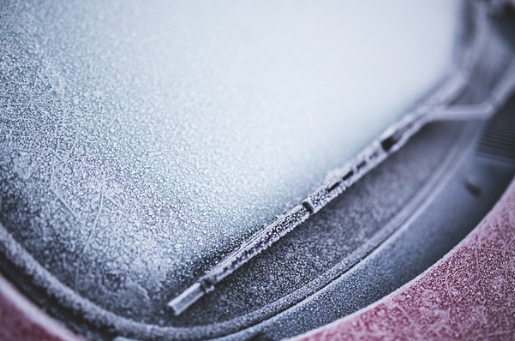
x=176 y=129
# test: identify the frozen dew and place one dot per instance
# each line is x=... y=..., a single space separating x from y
x=159 y=137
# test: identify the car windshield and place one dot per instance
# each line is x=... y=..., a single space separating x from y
x=175 y=130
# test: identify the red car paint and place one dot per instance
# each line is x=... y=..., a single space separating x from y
x=21 y=320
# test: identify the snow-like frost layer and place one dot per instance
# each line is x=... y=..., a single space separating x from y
x=153 y=139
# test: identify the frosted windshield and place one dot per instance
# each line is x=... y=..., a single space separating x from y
x=176 y=129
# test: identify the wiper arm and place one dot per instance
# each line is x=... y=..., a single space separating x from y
x=432 y=110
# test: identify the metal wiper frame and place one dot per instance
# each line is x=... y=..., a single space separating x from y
x=436 y=107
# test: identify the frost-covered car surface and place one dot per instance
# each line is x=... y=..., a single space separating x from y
x=467 y=295
x=199 y=170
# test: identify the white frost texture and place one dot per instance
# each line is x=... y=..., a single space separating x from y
x=156 y=137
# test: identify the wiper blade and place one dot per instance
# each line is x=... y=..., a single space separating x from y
x=432 y=110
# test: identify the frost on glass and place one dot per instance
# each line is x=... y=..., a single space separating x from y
x=154 y=139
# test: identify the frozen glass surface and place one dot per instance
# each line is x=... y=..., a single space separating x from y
x=156 y=136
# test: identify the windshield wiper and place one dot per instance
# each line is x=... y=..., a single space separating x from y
x=435 y=108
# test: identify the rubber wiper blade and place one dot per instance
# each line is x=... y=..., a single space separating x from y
x=435 y=108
